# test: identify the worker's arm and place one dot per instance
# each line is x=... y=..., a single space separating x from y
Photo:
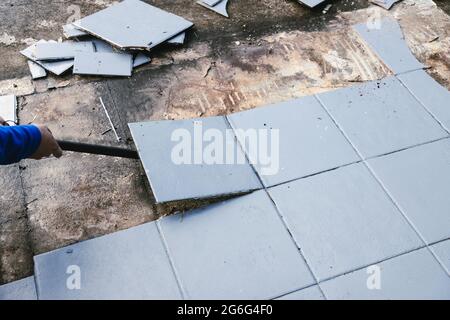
x=28 y=141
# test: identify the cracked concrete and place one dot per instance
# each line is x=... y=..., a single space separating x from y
x=266 y=52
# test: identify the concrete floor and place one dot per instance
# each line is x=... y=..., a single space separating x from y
x=267 y=52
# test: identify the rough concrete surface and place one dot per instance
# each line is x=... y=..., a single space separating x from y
x=268 y=51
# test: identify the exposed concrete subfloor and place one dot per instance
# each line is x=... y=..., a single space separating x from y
x=267 y=52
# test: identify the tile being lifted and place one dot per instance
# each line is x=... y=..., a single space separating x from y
x=311 y=3
x=237 y=249
x=413 y=276
x=219 y=7
x=343 y=220
x=8 y=109
x=105 y=64
x=434 y=97
x=23 y=289
x=386 y=38
x=418 y=179
x=181 y=164
x=36 y=70
x=301 y=140
x=61 y=50
x=130 y=264
x=55 y=67
x=382 y=116
x=133 y=24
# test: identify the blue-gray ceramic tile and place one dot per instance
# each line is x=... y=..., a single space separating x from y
x=343 y=220
x=175 y=177
x=386 y=38
x=237 y=249
x=419 y=181
x=381 y=116
x=415 y=275
x=130 y=264
x=309 y=142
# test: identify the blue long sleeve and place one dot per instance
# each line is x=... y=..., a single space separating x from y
x=18 y=142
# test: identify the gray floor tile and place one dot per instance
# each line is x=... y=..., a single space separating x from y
x=419 y=181
x=430 y=93
x=237 y=249
x=309 y=141
x=342 y=220
x=176 y=180
x=103 y=63
x=130 y=264
x=415 y=275
x=381 y=117
x=55 y=67
x=311 y=293
x=386 y=38
x=24 y=289
x=442 y=251
x=143 y=26
x=61 y=50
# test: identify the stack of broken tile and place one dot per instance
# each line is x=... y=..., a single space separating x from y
x=110 y=42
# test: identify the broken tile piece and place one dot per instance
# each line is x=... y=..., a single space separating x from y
x=442 y=251
x=141 y=59
x=434 y=97
x=130 y=264
x=211 y=2
x=36 y=70
x=311 y=293
x=181 y=164
x=311 y=3
x=236 y=249
x=8 y=109
x=55 y=67
x=133 y=24
x=219 y=7
x=413 y=276
x=61 y=50
x=386 y=38
x=104 y=64
x=178 y=39
x=381 y=116
x=23 y=289
x=102 y=46
x=343 y=220
x=70 y=31
x=309 y=142
x=418 y=179
x=387 y=4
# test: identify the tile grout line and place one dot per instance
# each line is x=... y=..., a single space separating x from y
x=275 y=206
x=398 y=207
x=365 y=266
x=423 y=105
x=172 y=263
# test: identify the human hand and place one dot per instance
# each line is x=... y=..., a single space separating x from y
x=48 y=145
x=3 y=122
